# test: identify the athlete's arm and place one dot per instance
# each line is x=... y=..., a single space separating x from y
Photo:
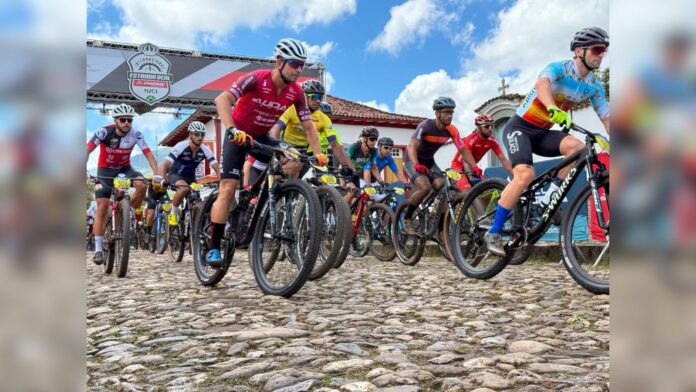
x=151 y=160
x=223 y=103
x=312 y=135
x=164 y=168
x=216 y=166
x=544 y=92
x=505 y=163
x=340 y=154
x=412 y=148
x=376 y=174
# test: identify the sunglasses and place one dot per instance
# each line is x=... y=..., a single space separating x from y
x=372 y=139
x=387 y=148
x=198 y=134
x=597 y=50
x=296 y=63
x=315 y=97
x=125 y=120
x=487 y=126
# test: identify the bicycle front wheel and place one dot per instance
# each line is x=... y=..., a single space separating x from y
x=296 y=231
x=122 y=237
x=176 y=241
x=202 y=239
x=584 y=244
x=473 y=218
x=335 y=215
x=381 y=245
x=409 y=248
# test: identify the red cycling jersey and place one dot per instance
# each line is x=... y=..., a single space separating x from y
x=479 y=146
x=259 y=107
x=115 y=151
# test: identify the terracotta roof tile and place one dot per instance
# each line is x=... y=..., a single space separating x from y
x=349 y=112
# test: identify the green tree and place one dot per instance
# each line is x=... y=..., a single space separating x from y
x=603 y=76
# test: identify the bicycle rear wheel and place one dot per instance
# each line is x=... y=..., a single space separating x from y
x=297 y=232
x=176 y=242
x=360 y=244
x=109 y=246
x=473 y=218
x=381 y=245
x=409 y=248
x=586 y=252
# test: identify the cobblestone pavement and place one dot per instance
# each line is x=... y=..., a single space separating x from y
x=368 y=326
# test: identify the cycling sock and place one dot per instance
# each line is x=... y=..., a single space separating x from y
x=218 y=231
x=98 y=241
x=501 y=215
x=555 y=185
x=175 y=209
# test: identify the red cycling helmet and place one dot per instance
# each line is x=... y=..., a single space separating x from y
x=483 y=119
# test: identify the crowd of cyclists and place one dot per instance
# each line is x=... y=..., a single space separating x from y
x=267 y=113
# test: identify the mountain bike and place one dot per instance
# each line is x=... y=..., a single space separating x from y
x=585 y=258
x=282 y=228
x=160 y=227
x=371 y=222
x=117 y=234
x=180 y=225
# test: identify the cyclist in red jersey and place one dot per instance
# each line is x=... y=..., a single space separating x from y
x=116 y=142
x=261 y=97
x=419 y=164
x=479 y=142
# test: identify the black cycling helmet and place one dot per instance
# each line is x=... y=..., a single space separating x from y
x=385 y=141
x=325 y=107
x=589 y=36
x=369 y=132
x=444 y=103
x=313 y=87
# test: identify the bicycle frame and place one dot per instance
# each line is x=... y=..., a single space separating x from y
x=362 y=203
x=430 y=199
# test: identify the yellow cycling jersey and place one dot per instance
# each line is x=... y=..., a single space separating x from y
x=294 y=134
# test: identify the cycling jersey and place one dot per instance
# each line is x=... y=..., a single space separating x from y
x=384 y=162
x=294 y=134
x=432 y=138
x=570 y=91
x=259 y=106
x=185 y=161
x=361 y=160
x=114 y=150
x=325 y=137
x=479 y=146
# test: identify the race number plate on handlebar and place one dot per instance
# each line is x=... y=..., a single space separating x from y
x=370 y=190
x=453 y=174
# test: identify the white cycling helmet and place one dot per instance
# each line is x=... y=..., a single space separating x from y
x=196 y=126
x=123 y=110
x=290 y=49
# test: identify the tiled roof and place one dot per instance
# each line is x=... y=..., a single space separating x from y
x=511 y=97
x=181 y=131
x=349 y=112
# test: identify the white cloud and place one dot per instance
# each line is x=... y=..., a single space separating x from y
x=328 y=81
x=178 y=24
x=376 y=105
x=463 y=36
x=410 y=22
x=518 y=47
x=318 y=52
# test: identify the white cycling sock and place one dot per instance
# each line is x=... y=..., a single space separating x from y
x=98 y=240
x=175 y=210
x=546 y=199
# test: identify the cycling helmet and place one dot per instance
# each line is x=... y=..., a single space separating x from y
x=385 y=141
x=369 y=132
x=444 y=103
x=325 y=107
x=313 y=87
x=290 y=49
x=589 y=36
x=123 y=110
x=196 y=126
x=483 y=119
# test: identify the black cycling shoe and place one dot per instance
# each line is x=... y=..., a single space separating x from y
x=98 y=258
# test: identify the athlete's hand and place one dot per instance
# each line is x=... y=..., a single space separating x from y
x=421 y=169
x=478 y=171
x=322 y=159
x=559 y=116
x=239 y=137
x=346 y=171
x=157 y=179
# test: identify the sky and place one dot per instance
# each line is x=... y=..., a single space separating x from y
x=392 y=55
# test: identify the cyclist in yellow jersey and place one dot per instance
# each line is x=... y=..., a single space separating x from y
x=289 y=129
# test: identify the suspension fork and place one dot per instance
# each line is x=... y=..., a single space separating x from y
x=361 y=211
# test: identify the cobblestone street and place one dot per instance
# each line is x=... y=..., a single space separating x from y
x=368 y=326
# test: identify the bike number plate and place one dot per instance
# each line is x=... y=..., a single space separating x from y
x=166 y=206
x=455 y=175
x=328 y=179
x=172 y=219
x=370 y=190
x=122 y=183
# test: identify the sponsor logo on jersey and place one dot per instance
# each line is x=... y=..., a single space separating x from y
x=267 y=103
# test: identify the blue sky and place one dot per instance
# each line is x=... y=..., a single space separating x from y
x=394 y=55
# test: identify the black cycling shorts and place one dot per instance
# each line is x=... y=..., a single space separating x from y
x=173 y=178
x=522 y=139
x=234 y=155
x=154 y=197
x=107 y=186
x=410 y=169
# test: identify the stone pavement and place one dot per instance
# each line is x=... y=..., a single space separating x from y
x=369 y=326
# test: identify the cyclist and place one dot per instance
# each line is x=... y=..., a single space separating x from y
x=91 y=213
x=156 y=192
x=479 y=142
x=384 y=158
x=363 y=156
x=116 y=142
x=294 y=134
x=259 y=98
x=561 y=86
x=430 y=135
x=179 y=167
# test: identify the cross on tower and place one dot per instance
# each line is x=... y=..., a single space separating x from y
x=503 y=87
